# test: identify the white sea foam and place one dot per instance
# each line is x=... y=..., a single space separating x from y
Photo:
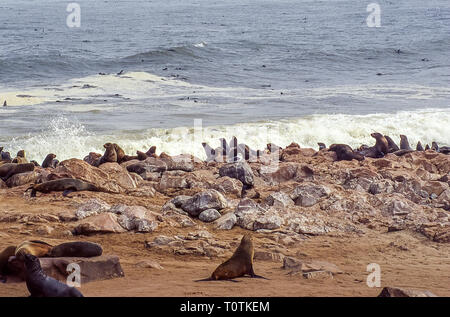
x=67 y=139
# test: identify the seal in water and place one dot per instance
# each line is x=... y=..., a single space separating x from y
x=41 y=285
x=419 y=147
x=83 y=249
x=404 y=144
x=345 y=152
x=4 y=257
x=66 y=185
x=34 y=247
x=240 y=263
x=9 y=169
x=391 y=144
x=48 y=160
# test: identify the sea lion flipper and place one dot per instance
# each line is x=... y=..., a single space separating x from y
x=259 y=276
x=204 y=280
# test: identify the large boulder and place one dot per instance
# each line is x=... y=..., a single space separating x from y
x=208 y=199
x=240 y=171
x=103 y=223
x=309 y=194
x=22 y=179
x=226 y=222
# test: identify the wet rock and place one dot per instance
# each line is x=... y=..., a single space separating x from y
x=209 y=215
x=404 y=292
x=240 y=171
x=204 y=200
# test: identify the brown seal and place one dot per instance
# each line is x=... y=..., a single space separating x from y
x=119 y=152
x=240 y=263
x=381 y=145
x=434 y=146
x=419 y=147
x=345 y=152
x=404 y=144
x=4 y=257
x=83 y=249
x=110 y=155
x=34 y=247
x=151 y=151
x=48 y=160
x=391 y=144
x=20 y=158
x=9 y=169
x=141 y=156
x=66 y=185
x=322 y=146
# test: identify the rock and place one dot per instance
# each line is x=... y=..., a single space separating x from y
x=310 y=226
x=103 y=223
x=209 y=215
x=91 y=208
x=269 y=221
x=172 y=181
x=183 y=162
x=404 y=292
x=229 y=186
x=226 y=222
x=433 y=187
x=311 y=268
x=309 y=194
x=208 y=199
x=268 y=256
x=285 y=172
x=44 y=230
x=240 y=171
x=279 y=200
x=22 y=179
x=150 y=176
x=436 y=232
x=398 y=208
x=136 y=218
x=317 y=274
x=3 y=184
x=149 y=264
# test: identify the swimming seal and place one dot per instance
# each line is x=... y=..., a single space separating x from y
x=404 y=144
x=345 y=152
x=240 y=263
x=9 y=169
x=4 y=257
x=83 y=249
x=41 y=285
x=48 y=160
x=66 y=185
x=34 y=247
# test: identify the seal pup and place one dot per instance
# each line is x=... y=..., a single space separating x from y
x=345 y=152
x=83 y=249
x=240 y=263
x=9 y=169
x=48 y=160
x=419 y=147
x=4 y=257
x=404 y=144
x=41 y=285
x=435 y=146
x=66 y=185
x=391 y=144
x=34 y=247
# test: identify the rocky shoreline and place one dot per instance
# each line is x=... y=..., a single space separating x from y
x=182 y=205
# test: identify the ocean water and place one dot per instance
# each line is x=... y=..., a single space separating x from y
x=143 y=73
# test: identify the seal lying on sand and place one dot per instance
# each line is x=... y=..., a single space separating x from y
x=34 y=247
x=345 y=152
x=66 y=185
x=240 y=263
x=41 y=285
x=9 y=169
x=76 y=249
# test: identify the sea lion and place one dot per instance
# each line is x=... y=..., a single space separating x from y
x=35 y=163
x=5 y=156
x=240 y=263
x=345 y=152
x=119 y=152
x=381 y=144
x=76 y=249
x=391 y=144
x=4 y=257
x=48 y=160
x=141 y=156
x=164 y=155
x=35 y=247
x=427 y=147
x=20 y=158
x=445 y=150
x=110 y=155
x=322 y=146
x=404 y=144
x=66 y=185
x=403 y=152
x=41 y=285
x=419 y=147
x=151 y=151
x=9 y=169
x=435 y=146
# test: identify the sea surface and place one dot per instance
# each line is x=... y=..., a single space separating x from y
x=143 y=73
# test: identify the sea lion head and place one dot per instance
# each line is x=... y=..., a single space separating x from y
x=246 y=239
x=21 y=153
x=107 y=145
x=32 y=263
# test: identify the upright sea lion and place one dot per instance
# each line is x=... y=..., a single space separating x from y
x=141 y=156
x=4 y=257
x=435 y=146
x=404 y=144
x=391 y=144
x=110 y=155
x=66 y=185
x=83 y=249
x=35 y=247
x=119 y=152
x=419 y=147
x=9 y=169
x=48 y=160
x=381 y=145
x=41 y=285
x=427 y=147
x=20 y=158
x=345 y=152
x=240 y=263
x=151 y=151
x=322 y=146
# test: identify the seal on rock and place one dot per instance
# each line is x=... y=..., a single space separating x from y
x=391 y=144
x=404 y=144
x=20 y=158
x=48 y=160
x=322 y=146
x=66 y=185
x=9 y=169
x=110 y=155
x=34 y=247
x=419 y=147
x=83 y=249
x=345 y=152
x=240 y=263
x=434 y=146
x=41 y=285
